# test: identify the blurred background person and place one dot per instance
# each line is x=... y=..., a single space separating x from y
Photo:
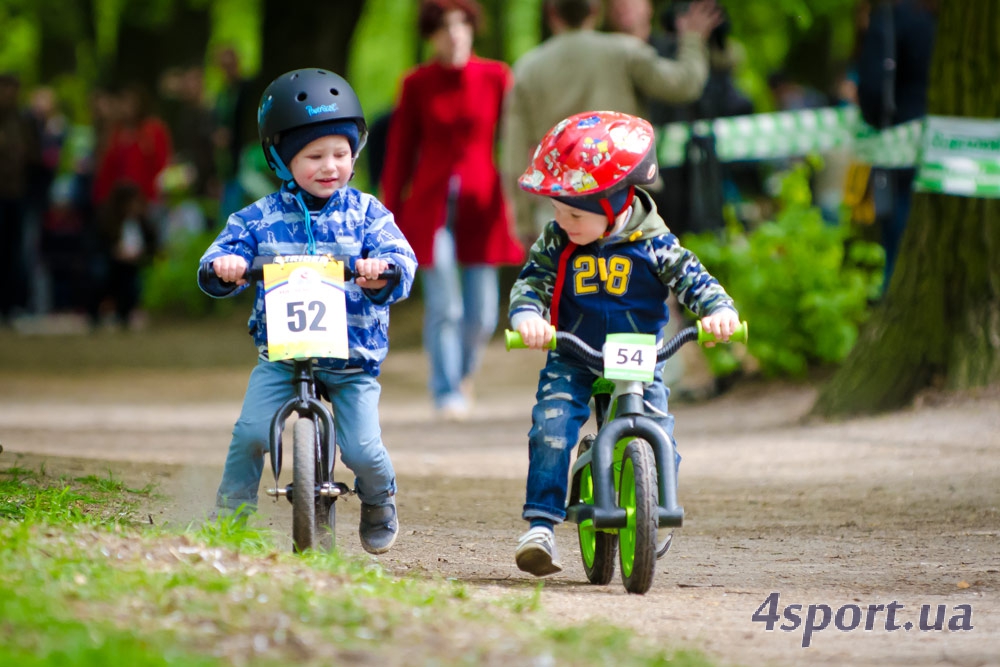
x=440 y=180
x=893 y=75
x=138 y=148
x=127 y=242
x=65 y=250
x=16 y=149
x=48 y=133
x=631 y=17
x=791 y=95
x=694 y=193
x=580 y=69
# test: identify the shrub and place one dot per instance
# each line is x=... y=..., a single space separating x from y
x=803 y=284
x=170 y=285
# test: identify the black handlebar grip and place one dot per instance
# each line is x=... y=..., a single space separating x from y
x=206 y=272
x=393 y=273
x=208 y=276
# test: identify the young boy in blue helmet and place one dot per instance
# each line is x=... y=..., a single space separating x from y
x=311 y=129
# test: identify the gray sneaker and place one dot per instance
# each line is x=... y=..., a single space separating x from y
x=536 y=552
x=378 y=527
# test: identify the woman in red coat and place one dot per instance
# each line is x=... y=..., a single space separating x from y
x=441 y=182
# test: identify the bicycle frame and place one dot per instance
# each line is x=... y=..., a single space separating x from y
x=625 y=418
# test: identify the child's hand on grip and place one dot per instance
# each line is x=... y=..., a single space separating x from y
x=535 y=332
x=367 y=271
x=230 y=269
x=721 y=324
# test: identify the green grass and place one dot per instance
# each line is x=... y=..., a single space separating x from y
x=83 y=583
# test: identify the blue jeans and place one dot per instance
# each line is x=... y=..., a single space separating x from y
x=461 y=307
x=355 y=406
x=561 y=409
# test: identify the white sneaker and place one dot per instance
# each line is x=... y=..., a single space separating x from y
x=453 y=413
x=536 y=552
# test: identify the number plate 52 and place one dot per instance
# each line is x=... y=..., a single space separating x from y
x=630 y=357
x=306 y=309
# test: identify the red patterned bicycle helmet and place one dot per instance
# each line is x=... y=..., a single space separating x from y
x=593 y=160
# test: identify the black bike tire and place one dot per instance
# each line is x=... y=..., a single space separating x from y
x=304 y=498
x=601 y=570
x=639 y=577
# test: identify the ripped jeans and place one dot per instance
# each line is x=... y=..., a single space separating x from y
x=562 y=407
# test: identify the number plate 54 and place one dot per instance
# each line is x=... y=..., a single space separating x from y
x=306 y=309
x=630 y=357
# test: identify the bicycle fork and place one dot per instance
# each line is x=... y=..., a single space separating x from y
x=631 y=422
x=306 y=405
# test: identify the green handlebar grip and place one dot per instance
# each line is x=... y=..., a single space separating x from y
x=740 y=335
x=513 y=340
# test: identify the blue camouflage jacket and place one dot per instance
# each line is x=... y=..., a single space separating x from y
x=352 y=224
x=615 y=285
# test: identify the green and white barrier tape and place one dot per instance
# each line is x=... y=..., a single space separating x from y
x=959 y=156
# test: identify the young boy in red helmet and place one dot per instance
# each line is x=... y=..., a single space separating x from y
x=605 y=264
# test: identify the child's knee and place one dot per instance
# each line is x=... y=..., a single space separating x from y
x=253 y=436
x=369 y=461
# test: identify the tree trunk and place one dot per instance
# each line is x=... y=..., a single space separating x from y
x=939 y=325
x=146 y=50
x=66 y=34
x=301 y=34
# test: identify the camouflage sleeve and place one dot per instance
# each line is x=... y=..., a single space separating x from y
x=532 y=291
x=684 y=274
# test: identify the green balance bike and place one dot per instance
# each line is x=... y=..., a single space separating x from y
x=623 y=489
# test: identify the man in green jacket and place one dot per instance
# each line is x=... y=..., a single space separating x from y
x=580 y=69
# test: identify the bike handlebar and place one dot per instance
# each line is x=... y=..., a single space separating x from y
x=256 y=270
x=575 y=345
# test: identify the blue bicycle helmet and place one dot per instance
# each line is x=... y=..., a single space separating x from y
x=302 y=98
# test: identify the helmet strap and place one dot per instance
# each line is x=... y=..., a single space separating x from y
x=280 y=169
x=611 y=213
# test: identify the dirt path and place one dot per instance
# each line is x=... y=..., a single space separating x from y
x=902 y=508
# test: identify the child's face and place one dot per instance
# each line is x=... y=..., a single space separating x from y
x=581 y=226
x=323 y=166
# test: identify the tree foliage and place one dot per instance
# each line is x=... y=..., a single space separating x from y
x=374 y=41
x=798 y=281
x=810 y=39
